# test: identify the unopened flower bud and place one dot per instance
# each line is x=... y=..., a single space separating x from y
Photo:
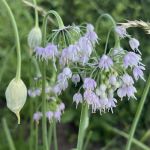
x=34 y=37
x=16 y=94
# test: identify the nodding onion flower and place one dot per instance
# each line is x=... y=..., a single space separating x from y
x=54 y=112
x=100 y=77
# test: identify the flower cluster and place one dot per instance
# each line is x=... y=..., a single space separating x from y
x=103 y=76
x=80 y=51
x=54 y=113
x=62 y=81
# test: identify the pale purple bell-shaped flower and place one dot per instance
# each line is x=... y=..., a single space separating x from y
x=131 y=59
x=75 y=78
x=91 y=35
x=85 y=46
x=105 y=62
x=92 y=100
x=127 y=79
x=49 y=115
x=121 y=31
x=67 y=72
x=111 y=104
x=134 y=44
x=77 y=98
x=125 y=90
x=34 y=92
x=39 y=52
x=64 y=59
x=51 y=51
x=89 y=84
x=138 y=72
x=63 y=84
x=57 y=90
x=37 y=116
x=57 y=115
x=73 y=53
x=61 y=107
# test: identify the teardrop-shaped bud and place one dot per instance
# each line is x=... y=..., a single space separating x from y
x=16 y=94
x=34 y=38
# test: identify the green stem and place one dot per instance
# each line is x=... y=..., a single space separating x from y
x=87 y=140
x=84 y=121
x=59 y=20
x=117 y=40
x=138 y=114
x=125 y=135
x=55 y=136
x=8 y=136
x=36 y=14
x=18 y=71
x=50 y=135
x=44 y=125
x=36 y=137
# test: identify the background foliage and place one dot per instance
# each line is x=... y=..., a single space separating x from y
x=73 y=11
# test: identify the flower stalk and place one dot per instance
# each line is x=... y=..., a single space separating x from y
x=138 y=114
x=84 y=121
x=18 y=71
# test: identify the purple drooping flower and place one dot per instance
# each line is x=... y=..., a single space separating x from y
x=49 y=52
x=105 y=62
x=89 y=84
x=33 y=93
x=56 y=89
x=127 y=79
x=92 y=100
x=75 y=78
x=69 y=54
x=131 y=59
x=84 y=46
x=121 y=31
x=49 y=115
x=91 y=35
x=37 y=116
x=138 y=72
x=134 y=44
x=77 y=98
x=111 y=103
x=61 y=107
x=67 y=72
x=127 y=88
x=57 y=115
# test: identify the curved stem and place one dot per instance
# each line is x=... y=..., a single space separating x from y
x=138 y=113
x=18 y=71
x=59 y=20
x=84 y=121
x=36 y=14
x=117 y=40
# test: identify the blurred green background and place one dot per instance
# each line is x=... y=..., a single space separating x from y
x=74 y=11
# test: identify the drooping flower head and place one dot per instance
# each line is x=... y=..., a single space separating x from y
x=37 y=116
x=105 y=62
x=121 y=31
x=89 y=84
